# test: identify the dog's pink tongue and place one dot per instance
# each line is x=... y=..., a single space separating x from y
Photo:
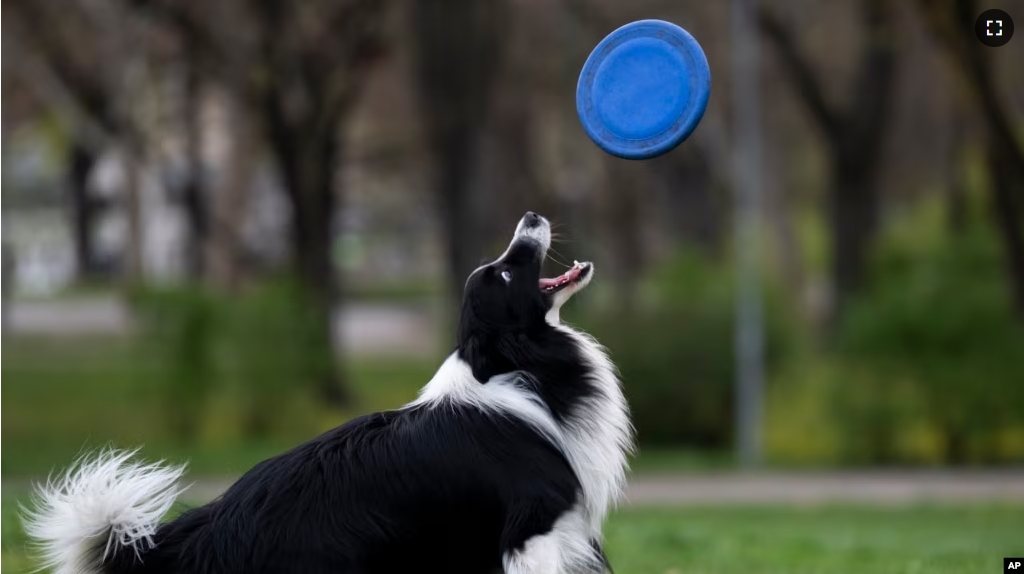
x=569 y=275
x=544 y=282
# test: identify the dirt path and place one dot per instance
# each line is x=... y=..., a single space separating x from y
x=870 y=487
x=799 y=488
x=361 y=329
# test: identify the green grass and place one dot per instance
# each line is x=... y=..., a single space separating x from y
x=13 y=552
x=926 y=540
x=932 y=540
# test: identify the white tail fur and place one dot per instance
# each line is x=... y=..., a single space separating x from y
x=107 y=501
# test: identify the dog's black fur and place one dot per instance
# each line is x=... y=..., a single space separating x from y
x=439 y=488
x=413 y=490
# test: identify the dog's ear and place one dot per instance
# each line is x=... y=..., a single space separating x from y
x=472 y=351
x=480 y=343
x=472 y=344
x=482 y=353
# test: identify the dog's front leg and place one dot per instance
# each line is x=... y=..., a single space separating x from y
x=567 y=548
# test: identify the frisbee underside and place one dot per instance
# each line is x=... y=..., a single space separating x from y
x=643 y=90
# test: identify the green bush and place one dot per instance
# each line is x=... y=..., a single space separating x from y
x=272 y=355
x=179 y=329
x=937 y=325
x=236 y=363
x=675 y=352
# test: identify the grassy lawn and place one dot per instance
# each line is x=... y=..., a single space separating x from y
x=948 y=539
x=960 y=539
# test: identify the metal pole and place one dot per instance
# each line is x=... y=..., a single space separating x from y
x=747 y=185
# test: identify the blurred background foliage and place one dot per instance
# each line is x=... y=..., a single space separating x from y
x=231 y=225
x=676 y=345
x=925 y=366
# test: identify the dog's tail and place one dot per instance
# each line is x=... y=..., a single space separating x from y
x=101 y=506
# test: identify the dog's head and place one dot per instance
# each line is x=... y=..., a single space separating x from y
x=507 y=304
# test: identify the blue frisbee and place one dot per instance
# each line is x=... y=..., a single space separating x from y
x=643 y=90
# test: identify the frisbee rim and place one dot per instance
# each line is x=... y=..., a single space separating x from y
x=697 y=74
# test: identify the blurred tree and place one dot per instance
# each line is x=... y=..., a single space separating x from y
x=225 y=249
x=77 y=57
x=300 y=67
x=180 y=78
x=193 y=195
x=688 y=188
x=458 y=46
x=955 y=176
x=81 y=158
x=948 y=20
x=214 y=249
x=853 y=133
x=622 y=217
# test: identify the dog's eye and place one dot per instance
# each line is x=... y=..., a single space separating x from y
x=506 y=275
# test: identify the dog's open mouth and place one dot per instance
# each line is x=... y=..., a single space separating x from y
x=578 y=272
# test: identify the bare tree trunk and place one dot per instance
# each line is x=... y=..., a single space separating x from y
x=194 y=195
x=948 y=19
x=314 y=211
x=854 y=216
x=459 y=43
x=309 y=92
x=955 y=177
x=779 y=215
x=1008 y=192
x=512 y=178
x=81 y=160
x=1006 y=163
x=307 y=160
x=453 y=182
x=224 y=247
x=133 y=268
x=623 y=224
x=686 y=183
x=854 y=135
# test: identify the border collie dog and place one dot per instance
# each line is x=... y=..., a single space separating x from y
x=508 y=461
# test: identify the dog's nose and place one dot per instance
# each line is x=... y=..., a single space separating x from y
x=531 y=219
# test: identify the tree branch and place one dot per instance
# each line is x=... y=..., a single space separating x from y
x=869 y=111
x=40 y=77
x=800 y=69
x=358 y=24
x=946 y=19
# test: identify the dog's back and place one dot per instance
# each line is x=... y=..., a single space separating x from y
x=418 y=489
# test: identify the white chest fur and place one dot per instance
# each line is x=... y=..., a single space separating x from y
x=598 y=437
